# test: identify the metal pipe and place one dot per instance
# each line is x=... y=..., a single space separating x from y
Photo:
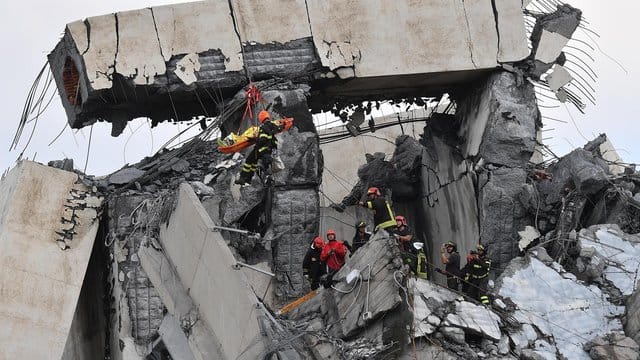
x=240 y=231
x=239 y=265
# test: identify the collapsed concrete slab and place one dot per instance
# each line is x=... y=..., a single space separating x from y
x=205 y=267
x=555 y=308
x=47 y=230
x=156 y=55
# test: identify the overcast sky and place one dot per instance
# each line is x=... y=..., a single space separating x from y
x=33 y=27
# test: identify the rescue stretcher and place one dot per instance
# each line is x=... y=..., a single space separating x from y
x=234 y=143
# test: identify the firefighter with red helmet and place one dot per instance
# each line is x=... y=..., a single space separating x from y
x=266 y=144
x=333 y=254
x=476 y=274
x=383 y=217
x=411 y=250
x=312 y=267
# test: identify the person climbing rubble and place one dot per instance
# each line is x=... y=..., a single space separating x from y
x=411 y=251
x=383 y=217
x=451 y=260
x=476 y=274
x=333 y=254
x=312 y=267
x=360 y=237
x=263 y=149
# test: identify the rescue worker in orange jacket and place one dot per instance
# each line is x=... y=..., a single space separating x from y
x=333 y=254
x=312 y=267
x=263 y=148
x=383 y=217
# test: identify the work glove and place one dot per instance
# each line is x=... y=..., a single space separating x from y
x=338 y=207
x=439 y=270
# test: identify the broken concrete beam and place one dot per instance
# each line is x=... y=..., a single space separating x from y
x=499 y=120
x=204 y=264
x=341 y=157
x=501 y=213
x=294 y=224
x=550 y=34
x=449 y=199
x=162 y=273
x=376 y=265
x=579 y=170
x=181 y=53
x=41 y=281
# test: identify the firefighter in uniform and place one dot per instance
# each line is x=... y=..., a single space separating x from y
x=266 y=144
x=383 y=217
x=476 y=274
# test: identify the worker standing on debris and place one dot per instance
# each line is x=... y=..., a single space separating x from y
x=266 y=144
x=383 y=217
x=360 y=238
x=476 y=274
x=312 y=267
x=451 y=260
x=333 y=254
x=411 y=251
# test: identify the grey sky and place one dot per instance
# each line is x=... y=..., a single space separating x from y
x=33 y=27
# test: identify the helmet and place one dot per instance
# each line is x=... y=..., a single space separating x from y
x=418 y=245
x=263 y=116
x=361 y=224
x=452 y=244
x=481 y=248
x=318 y=243
x=331 y=232
x=401 y=220
x=373 y=190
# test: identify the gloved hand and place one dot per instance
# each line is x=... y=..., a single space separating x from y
x=439 y=270
x=338 y=207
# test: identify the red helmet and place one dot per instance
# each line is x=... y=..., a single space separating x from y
x=401 y=220
x=373 y=190
x=263 y=116
x=318 y=243
x=331 y=232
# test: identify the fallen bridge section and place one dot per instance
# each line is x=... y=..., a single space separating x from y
x=131 y=64
x=48 y=226
x=204 y=265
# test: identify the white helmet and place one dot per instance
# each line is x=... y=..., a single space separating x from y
x=418 y=245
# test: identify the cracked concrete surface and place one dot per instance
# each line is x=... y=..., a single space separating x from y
x=356 y=40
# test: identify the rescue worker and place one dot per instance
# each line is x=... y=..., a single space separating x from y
x=263 y=148
x=383 y=217
x=360 y=237
x=408 y=249
x=312 y=267
x=333 y=254
x=476 y=274
x=451 y=260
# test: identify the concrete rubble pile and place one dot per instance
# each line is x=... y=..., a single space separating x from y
x=170 y=259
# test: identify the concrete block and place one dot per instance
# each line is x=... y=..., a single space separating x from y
x=39 y=283
x=221 y=293
x=184 y=236
x=285 y=20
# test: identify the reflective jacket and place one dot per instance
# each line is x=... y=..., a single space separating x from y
x=333 y=254
x=478 y=268
x=383 y=216
x=267 y=140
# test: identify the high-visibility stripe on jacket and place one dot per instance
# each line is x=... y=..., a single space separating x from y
x=383 y=216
